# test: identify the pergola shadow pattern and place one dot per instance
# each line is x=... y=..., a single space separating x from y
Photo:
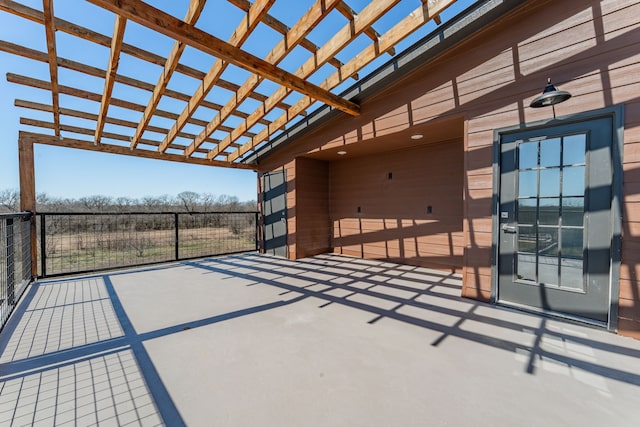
x=328 y=340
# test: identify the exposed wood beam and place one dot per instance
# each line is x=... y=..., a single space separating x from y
x=111 y=120
x=436 y=18
x=109 y=81
x=166 y=24
x=50 y=32
x=283 y=29
x=248 y=23
x=191 y=17
x=91 y=96
x=396 y=34
x=30 y=137
x=351 y=15
x=94 y=37
x=83 y=131
x=319 y=10
x=349 y=32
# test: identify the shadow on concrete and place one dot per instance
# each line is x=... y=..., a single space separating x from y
x=112 y=370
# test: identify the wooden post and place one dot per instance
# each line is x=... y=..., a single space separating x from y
x=28 y=193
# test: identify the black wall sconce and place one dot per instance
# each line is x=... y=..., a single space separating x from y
x=550 y=96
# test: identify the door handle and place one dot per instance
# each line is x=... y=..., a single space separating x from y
x=507 y=228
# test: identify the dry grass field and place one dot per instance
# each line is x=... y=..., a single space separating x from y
x=85 y=251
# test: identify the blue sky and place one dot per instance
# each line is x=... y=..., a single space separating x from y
x=62 y=172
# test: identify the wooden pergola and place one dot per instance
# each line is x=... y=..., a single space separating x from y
x=175 y=142
x=229 y=150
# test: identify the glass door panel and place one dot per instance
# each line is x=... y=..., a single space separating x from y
x=545 y=234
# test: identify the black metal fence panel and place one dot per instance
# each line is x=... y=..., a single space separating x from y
x=208 y=234
x=15 y=260
x=83 y=242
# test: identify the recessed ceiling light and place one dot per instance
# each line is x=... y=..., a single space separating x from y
x=417 y=136
x=341 y=153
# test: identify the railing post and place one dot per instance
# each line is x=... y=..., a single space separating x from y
x=11 y=277
x=43 y=246
x=257 y=233
x=175 y=226
x=27 y=260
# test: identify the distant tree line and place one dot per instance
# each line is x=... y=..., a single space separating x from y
x=187 y=201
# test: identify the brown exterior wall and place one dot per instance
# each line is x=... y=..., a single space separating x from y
x=312 y=207
x=589 y=48
x=393 y=222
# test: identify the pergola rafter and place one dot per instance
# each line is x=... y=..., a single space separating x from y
x=50 y=31
x=111 y=120
x=283 y=29
x=110 y=79
x=181 y=130
x=351 y=15
x=193 y=13
x=92 y=96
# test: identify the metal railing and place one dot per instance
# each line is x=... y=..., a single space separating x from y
x=72 y=243
x=15 y=260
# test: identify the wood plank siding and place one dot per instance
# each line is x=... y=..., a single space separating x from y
x=312 y=207
x=379 y=206
x=589 y=48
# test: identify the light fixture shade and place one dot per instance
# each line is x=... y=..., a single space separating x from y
x=550 y=96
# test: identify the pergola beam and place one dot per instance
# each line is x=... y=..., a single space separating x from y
x=349 y=32
x=404 y=28
x=83 y=131
x=351 y=15
x=248 y=23
x=50 y=32
x=319 y=10
x=91 y=96
x=109 y=81
x=191 y=17
x=35 y=106
x=31 y=138
x=170 y=26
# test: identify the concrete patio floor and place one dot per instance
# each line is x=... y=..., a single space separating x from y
x=254 y=340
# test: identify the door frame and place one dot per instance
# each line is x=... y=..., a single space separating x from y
x=616 y=113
